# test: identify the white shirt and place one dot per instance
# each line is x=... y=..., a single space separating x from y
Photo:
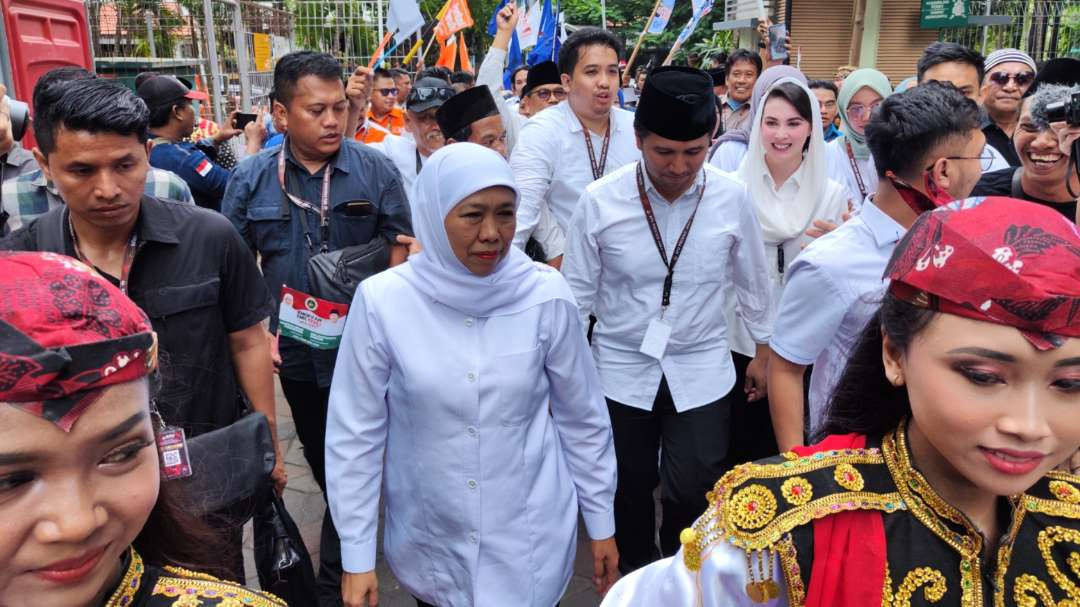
x=998 y=163
x=551 y=165
x=494 y=432
x=402 y=152
x=831 y=207
x=616 y=273
x=834 y=287
x=720 y=582
x=728 y=156
x=840 y=171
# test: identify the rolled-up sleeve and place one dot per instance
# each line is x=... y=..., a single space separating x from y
x=581 y=264
x=809 y=314
x=533 y=169
x=751 y=275
x=581 y=418
x=356 y=430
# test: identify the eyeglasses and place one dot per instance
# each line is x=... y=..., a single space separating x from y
x=392 y=92
x=1002 y=78
x=427 y=93
x=862 y=112
x=985 y=160
x=545 y=94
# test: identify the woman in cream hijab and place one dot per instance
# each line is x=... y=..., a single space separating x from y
x=848 y=156
x=466 y=394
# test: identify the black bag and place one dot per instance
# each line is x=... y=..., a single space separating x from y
x=281 y=557
x=230 y=467
x=335 y=275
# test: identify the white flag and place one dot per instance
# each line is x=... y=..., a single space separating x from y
x=404 y=19
x=528 y=27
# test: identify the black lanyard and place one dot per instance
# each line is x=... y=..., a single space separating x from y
x=125 y=267
x=323 y=210
x=855 y=169
x=418 y=165
x=670 y=265
x=597 y=168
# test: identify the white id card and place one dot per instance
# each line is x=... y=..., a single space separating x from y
x=656 y=339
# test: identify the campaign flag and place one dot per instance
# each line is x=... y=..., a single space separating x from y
x=701 y=8
x=513 y=54
x=463 y=54
x=447 y=53
x=547 y=43
x=456 y=18
x=528 y=26
x=663 y=14
x=404 y=19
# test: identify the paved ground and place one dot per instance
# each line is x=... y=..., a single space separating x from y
x=305 y=503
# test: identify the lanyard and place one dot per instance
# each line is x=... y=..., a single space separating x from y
x=670 y=265
x=418 y=164
x=323 y=210
x=125 y=267
x=855 y=169
x=597 y=168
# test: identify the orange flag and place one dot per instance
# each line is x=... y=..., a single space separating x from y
x=463 y=54
x=456 y=18
x=447 y=54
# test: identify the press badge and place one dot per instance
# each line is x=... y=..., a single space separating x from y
x=656 y=339
x=172 y=445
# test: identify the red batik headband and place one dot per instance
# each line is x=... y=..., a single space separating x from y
x=65 y=335
x=994 y=259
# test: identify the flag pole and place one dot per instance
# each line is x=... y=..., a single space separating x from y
x=633 y=55
x=438 y=17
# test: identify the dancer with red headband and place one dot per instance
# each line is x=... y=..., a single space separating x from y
x=938 y=474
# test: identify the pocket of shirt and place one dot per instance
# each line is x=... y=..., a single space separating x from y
x=166 y=301
x=711 y=258
x=518 y=375
x=269 y=230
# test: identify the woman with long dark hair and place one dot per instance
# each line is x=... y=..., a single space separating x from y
x=937 y=476
x=86 y=519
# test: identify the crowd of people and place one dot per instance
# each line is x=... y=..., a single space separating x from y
x=576 y=308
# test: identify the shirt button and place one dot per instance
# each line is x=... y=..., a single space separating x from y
x=471 y=377
x=468 y=322
x=472 y=538
x=471 y=484
x=471 y=431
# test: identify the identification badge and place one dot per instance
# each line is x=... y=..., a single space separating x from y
x=656 y=339
x=312 y=321
x=172 y=445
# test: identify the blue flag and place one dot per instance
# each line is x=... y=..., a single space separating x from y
x=547 y=42
x=663 y=14
x=513 y=55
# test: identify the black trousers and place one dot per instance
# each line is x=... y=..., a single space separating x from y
x=308 y=403
x=752 y=436
x=692 y=448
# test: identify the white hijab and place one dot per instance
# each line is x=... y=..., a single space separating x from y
x=782 y=219
x=450 y=175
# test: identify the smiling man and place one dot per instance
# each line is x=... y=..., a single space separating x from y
x=1008 y=73
x=653 y=251
x=564 y=149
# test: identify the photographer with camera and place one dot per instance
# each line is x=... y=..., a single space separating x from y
x=1045 y=140
x=14 y=159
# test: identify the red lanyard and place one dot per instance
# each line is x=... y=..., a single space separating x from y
x=670 y=265
x=597 y=169
x=323 y=210
x=855 y=169
x=125 y=267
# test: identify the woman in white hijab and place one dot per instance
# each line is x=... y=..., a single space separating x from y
x=785 y=171
x=464 y=386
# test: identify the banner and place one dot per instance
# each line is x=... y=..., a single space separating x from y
x=463 y=54
x=456 y=18
x=260 y=46
x=447 y=54
x=663 y=15
x=404 y=19
x=528 y=26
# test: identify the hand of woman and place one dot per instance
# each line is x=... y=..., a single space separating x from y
x=605 y=565
x=360 y=589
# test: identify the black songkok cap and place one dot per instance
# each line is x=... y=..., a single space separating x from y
x=545 y=72
x=465 y=108
x=677 y=103
x=718 y=75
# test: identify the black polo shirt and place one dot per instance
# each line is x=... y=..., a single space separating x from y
x=196 y=279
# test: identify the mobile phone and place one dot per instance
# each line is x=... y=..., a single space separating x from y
x=777 y=38
x=243 y=119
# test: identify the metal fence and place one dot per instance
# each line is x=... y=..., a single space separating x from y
x=347 y=29
x=1043 y=28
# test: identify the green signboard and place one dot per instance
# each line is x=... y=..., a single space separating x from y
x=943 y=13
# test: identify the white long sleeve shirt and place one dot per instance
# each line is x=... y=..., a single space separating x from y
x=616 y=274
x=449 y=416
x=551 y=164
x=840 y=171
x=402 y=152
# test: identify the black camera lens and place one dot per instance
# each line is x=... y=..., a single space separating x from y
x=1065 y=111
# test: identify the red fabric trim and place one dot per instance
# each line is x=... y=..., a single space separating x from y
x=849 y=547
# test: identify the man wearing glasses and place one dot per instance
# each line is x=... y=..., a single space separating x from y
x=543 y=89
x=384 y=117
x=1009 y=74
x=408 y=154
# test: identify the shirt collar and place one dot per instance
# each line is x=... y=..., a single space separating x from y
x=576 y=124
x=735 y=105
x=17 y=155
x=155 y=223
x=885 y=229
x=795 y=179
x=339 y=161
x=692 y=190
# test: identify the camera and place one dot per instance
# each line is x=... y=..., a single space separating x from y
x=1065 y=111
x=20 y=117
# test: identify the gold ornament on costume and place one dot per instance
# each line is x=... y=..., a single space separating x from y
x=848 y=477
x=1066 y=492
x=752 y=507
x=797 y=490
